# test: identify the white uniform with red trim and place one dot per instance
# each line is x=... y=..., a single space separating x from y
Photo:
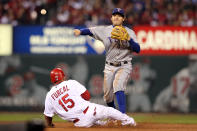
x=65 y=100
x=175 y=96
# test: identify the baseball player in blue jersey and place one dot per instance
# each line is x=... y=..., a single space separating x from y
x=119 y=42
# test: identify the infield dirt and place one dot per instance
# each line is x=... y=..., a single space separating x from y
x=140 y=127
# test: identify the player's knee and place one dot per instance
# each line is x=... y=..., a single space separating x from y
x=84 y=124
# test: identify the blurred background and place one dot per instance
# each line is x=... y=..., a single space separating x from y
x=37 y=36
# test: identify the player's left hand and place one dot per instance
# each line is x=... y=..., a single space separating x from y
x=120 y=33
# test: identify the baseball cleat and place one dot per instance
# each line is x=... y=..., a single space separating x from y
x=129 y=121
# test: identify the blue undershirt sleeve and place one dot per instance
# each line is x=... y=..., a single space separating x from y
x=134 y=46
x=86 y=31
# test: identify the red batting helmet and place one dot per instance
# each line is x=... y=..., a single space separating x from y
x=57 y=75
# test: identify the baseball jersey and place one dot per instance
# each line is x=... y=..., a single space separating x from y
x=65 y=100
x=180 y=83
x=179 y=87
x=114 y=52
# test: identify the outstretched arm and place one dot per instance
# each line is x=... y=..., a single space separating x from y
x=84 y=31
x=49 y=121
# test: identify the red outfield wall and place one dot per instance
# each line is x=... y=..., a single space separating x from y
x=167 y=40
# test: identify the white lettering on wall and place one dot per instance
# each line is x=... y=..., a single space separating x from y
x=167 y=40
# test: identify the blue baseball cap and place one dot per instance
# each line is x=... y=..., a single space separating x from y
x=118 y=11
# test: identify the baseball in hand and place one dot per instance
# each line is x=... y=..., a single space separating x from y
x=77 y=32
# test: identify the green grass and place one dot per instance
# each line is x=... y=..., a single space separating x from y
x=19 y=116
x=139 y=117
x=166 y=118
x=24 y=117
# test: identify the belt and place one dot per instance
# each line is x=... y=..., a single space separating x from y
x=117 y=64
x=86 y=109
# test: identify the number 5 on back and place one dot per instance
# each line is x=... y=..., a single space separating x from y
x=65 y=102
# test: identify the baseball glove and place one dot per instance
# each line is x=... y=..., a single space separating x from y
x=120 y=33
